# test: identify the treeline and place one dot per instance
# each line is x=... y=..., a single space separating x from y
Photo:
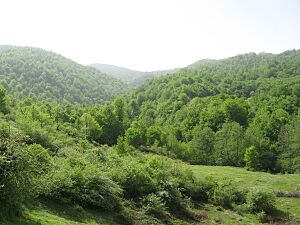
x=45 y=76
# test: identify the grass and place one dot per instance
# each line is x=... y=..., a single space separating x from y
x=248 y=179
x=217 y=215
x=52 y=213
x=259 y=180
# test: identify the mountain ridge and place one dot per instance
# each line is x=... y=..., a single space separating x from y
x=133 y=77
x=28 y=72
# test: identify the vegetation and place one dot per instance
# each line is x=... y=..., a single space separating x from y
x=240 y=111
x=131 y=158
x=35 y=73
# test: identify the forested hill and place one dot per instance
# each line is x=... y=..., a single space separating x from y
x=242 y=76
x=222 y=108
x=46 y=76
x=132 y=77
x=117 y=71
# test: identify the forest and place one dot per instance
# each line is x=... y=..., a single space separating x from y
x=48 y=77
x=74 y=136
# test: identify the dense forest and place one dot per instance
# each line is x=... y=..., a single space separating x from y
x=38 y=74
x=119 y=156
x=240 y=111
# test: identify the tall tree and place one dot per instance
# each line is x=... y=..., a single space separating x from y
x=202 y=145
x=229 y=145
x=3 y=105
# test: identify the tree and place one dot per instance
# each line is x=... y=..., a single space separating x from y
x=289 y=146
x=229 y=145
x=135 y=136
x=90 y=127
x=236 y=110
x=153 y=134
x=267 y=156
x=120 y=111
x=109 y=123
x=3 y=104
x=202 y=145
x=214 y=118
x=251 y=158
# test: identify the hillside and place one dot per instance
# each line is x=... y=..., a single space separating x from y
x=35 y=73
x=51 y=213
x=132 y=77
x=225 y=107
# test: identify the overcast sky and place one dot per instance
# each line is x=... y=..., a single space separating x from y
x=151 y=34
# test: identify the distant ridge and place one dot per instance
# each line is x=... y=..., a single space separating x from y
x=132 y=77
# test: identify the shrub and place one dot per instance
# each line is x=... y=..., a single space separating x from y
x=226 y=195
x=154 y=205
x=199 y=191
x=259 y=201
x=135 y=136
x=133 y=177
x=21 y=167
x=82 y=183
x=174 y=199
x=222 y=196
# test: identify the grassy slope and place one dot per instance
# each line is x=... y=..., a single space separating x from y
x=246 y=179
x=260 y=180
x=52 y=213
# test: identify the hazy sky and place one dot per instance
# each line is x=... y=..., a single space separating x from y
x=151 y=34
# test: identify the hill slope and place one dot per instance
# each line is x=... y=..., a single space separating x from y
x=132 y=77
x=52 y=212
x=36 y=73
x=199 y=113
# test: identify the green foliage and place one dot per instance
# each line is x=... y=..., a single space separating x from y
x=157 y=176
x=135 y=136
x=202 y=145
x=133 y=177
x=244 y=100
x=35 y=73
x=225 y=194
x=3 y=103
x=154 y=135
x=74 y=180
x=122 y=146
x=174 y=199
x=229 y=145
x=251 y=158
x=289 y=146
x=154 y=205
x=90 y=127
x=258 y=201
x=112 y=123
x=265 y=159
x=236 y=110
x=21 y=167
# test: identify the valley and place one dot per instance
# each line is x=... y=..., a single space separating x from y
x=216 y=142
